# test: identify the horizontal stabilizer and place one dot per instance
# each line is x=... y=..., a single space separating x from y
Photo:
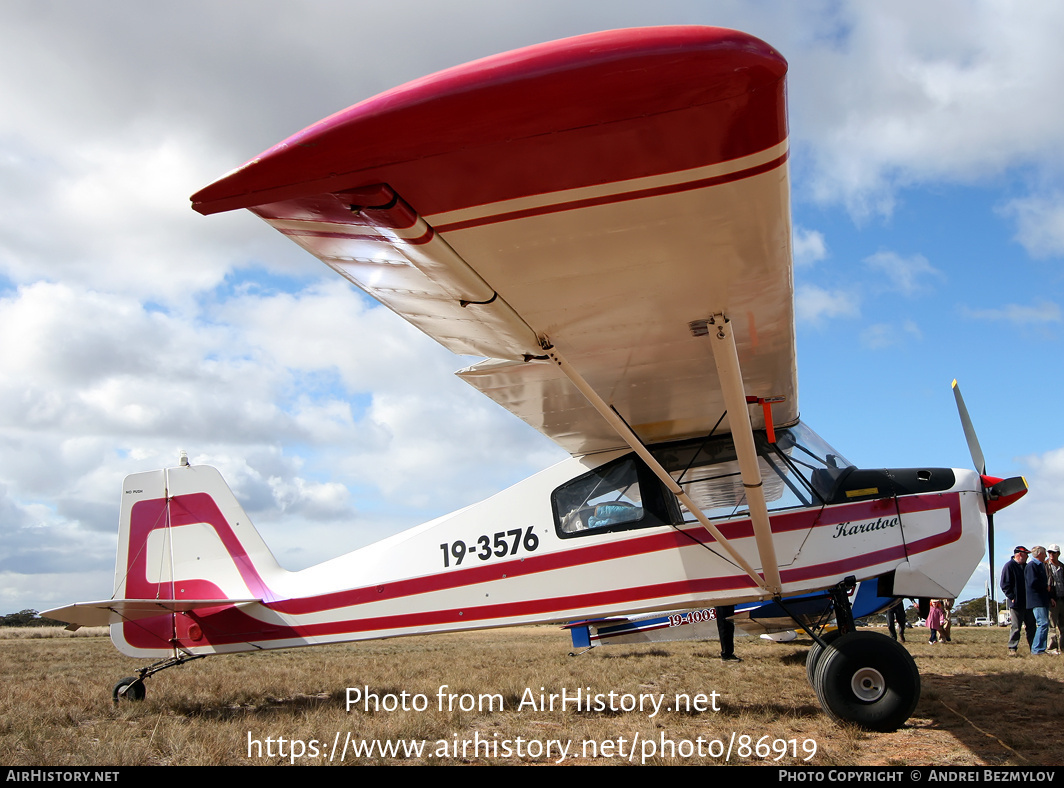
x=115 y=611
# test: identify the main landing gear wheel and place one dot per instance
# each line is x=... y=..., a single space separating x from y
x=867 y=679
x=131 y=688
x=812 y=658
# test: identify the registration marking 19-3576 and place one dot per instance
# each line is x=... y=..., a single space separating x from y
x=499 y=545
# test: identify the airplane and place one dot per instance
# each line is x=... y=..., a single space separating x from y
x=769 y=620
x=604 y=219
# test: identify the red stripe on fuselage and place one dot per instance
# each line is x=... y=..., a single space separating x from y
x=200 y=508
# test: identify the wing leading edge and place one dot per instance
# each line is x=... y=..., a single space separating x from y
x=572 y=201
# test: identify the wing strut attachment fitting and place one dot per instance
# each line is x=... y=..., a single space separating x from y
x=637 y=446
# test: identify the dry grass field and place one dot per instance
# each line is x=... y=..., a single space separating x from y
x=978 y=706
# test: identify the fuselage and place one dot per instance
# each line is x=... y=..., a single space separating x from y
x=588 y=537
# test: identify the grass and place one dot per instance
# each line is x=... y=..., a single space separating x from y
x=24 y=633
x=978 y=706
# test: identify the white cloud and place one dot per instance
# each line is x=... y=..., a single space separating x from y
x=919 y=93
x=809 y=246
x=907 y=275
x=881 y=335
x=813 y=304
x=43 y=554
x=117 y=216
x=99 y=386
x=1038 y=313
x=1035 y=518
x=329 y=325
x=1040 y=223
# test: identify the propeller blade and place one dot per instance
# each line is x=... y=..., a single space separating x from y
x=980 y=466
x=969 y=432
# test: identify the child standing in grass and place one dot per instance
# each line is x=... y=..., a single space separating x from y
x=936 y=619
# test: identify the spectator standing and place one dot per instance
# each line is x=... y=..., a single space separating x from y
x=1056 y=596
x=1014 y=585
x=1038 y=597
x=935 y=620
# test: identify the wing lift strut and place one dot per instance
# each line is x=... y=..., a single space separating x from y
x=727 y=361
x=718 y=328
x=519 y=340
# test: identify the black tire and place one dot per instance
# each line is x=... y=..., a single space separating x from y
x=130 y=688
x=868 y=679
x=813 y=656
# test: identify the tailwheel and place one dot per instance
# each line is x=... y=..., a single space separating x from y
x=131 y=688
x=868 y=679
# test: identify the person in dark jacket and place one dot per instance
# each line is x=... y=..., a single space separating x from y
x=1014 y=585
x=1038 y=597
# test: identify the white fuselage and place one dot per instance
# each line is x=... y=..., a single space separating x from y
x=502 y=562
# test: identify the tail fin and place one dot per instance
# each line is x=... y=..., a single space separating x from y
x=188 y=560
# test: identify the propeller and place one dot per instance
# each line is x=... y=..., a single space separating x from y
x=998 y=493
x=969 y=432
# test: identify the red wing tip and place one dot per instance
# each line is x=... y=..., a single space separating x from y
x=581 y=58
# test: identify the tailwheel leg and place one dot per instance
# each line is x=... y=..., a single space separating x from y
x=132 y=687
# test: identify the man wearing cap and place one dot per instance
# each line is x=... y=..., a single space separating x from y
x=1056 y=595
x=1014 y=585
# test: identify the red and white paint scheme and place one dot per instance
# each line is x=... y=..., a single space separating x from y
x=606 y=220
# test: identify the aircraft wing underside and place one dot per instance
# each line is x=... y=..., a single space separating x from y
x=571 y=202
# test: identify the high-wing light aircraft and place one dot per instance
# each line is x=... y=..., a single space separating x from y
x=606 y=220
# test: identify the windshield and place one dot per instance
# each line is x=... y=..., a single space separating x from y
x=799 y=469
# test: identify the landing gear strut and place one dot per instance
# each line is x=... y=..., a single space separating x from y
x=132 y=687
x=864 y=678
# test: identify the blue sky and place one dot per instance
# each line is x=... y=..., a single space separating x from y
x=929 y=229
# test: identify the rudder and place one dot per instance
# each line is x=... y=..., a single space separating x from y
x=185 y=541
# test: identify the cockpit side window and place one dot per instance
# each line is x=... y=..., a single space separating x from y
x=617 y=496
x=798 y=470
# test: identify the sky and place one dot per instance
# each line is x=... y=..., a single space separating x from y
x=928 y=213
